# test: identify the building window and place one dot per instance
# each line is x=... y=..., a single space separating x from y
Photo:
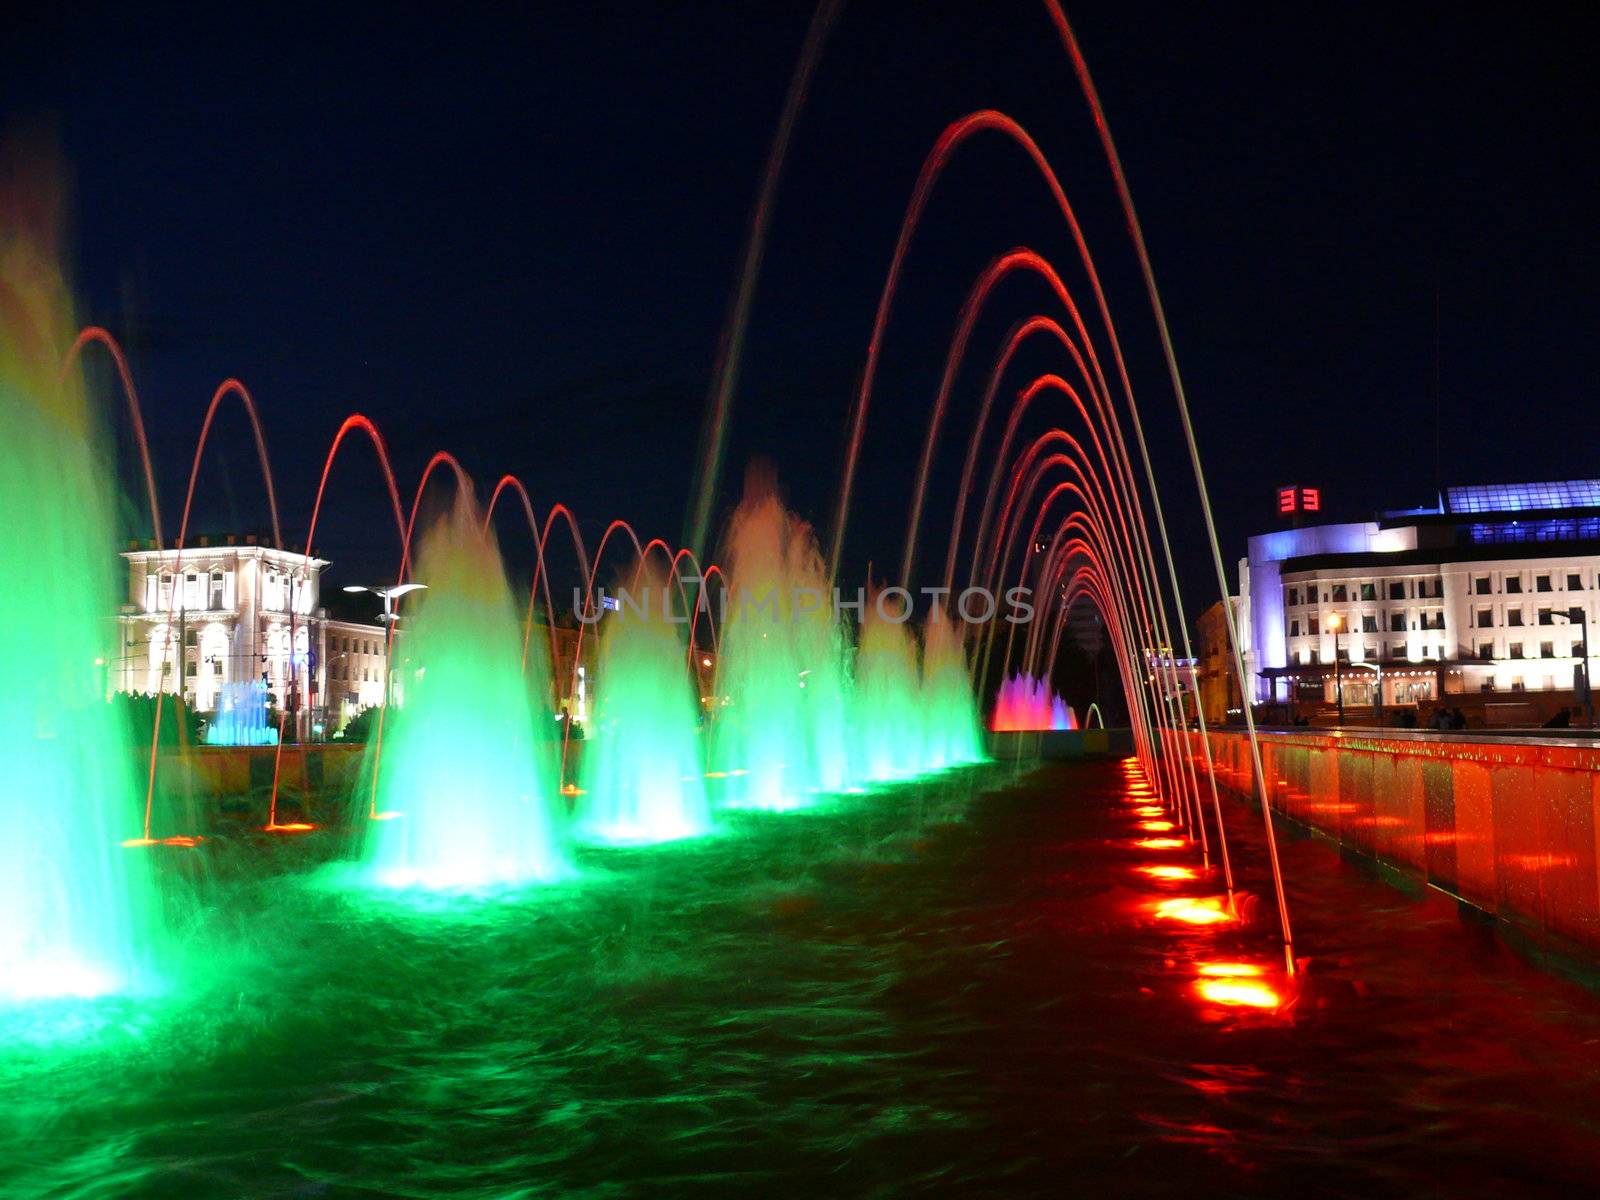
x=1397 y=622
x=1514 y=650
x=1369 y=592
x=1574 y=583
x=1546 y=617
x=191 y=638
x=1294 y=628
x=191 y=670
x=1397 y=590
x=1513 y=584
x=1316 y=658
x=1311 y=625
x=1576 y=650
x=1485 y=618
x=1485 y=649
x=1433 y=621
x=1575 y=615
x=1339 y=594
x=1541 y=583
x=1369 y=623
x=1398 y=650
x=1513 y=616
x=1480 y=585
x=1372 y=653
x=1547 y=649
x=1294 y=596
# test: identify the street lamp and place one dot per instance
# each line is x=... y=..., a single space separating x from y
x=1582 y=623
x=388 y=594
x=1336 y=623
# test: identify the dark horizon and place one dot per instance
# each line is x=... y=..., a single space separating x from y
x=516 y=240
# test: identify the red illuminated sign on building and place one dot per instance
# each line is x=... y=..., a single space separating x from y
x=1297 y=499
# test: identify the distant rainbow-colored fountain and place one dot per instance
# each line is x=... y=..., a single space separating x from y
x=77 y=908
x=780 y=737
x=468 y=786
x=643 y=765
x=1026 y=703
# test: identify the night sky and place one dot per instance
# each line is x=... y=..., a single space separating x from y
x=514 y=237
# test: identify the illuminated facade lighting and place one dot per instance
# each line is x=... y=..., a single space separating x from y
x=1484 y=592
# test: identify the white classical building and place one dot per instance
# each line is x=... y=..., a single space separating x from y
x=239 y=611
x=1488 y=593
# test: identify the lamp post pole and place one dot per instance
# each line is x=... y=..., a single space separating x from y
x=1338 y=678
x=1582 y=622
x=390 y=619
x=1588 y=690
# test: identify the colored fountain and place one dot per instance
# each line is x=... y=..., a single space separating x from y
x=241 y=717
x=951 y=728
x=780 y=734
x=468 y=786
x=77 y=908
x=886 y=708
x=1028 y=704
x=643 y=769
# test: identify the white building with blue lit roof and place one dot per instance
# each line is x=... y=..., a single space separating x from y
x=1476 y=602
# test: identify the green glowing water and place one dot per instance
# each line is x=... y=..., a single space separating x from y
x=469 y=787
x=782 y=664
x=952 y=729
x=643 y=773
x=887 y=717
x=77 y=913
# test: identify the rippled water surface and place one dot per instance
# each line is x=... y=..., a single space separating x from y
x=955 y=985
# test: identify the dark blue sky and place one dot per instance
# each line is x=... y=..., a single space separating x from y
x=513 y=235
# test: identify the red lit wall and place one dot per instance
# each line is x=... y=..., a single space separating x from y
x=1507 y=826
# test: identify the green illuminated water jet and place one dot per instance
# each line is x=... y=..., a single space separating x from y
x=77 y=910
x=642 y=762
x=952 y=730
x=780 y=735
x=468 y=786
x=886 y=711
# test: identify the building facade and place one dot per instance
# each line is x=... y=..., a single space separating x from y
x=1216 y=681
x=235 y=612
x=1482 y=602
x=209 y=615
